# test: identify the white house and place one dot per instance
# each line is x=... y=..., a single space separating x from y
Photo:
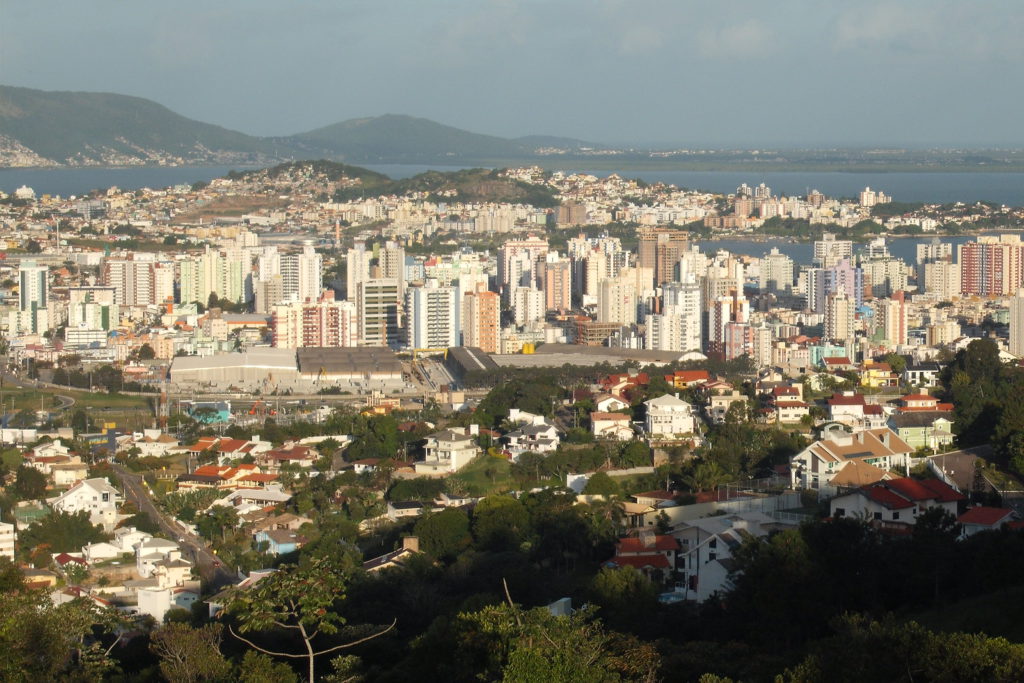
x=669 y=416
x=95 y=496
x=981 y=518
x=614 y=426
x=156 y=602
x=606 y=403
x=154 y=443
x=707 y=546
x=67 y=473
x=719 y=404
x=449 y=451
x=535 y=438
x=7 y=536
x=897 y=502
x=124 y=541
x=162 y=560
x=820 y=462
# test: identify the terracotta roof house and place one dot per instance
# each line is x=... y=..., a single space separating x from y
x=981 y=518
x=896 y=504
x=820 y=462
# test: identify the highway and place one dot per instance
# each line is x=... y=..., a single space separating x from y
x=214 y=576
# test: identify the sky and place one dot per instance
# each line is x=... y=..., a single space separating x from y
x=786 y=73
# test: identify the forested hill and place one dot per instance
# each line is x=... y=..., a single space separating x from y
x=42 y=128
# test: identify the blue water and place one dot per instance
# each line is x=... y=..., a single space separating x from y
x=1005 y=188
x=79 y=181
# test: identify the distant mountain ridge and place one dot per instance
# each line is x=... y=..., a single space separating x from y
x=43 y=128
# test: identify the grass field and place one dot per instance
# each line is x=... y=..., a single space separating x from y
x=486 y=475
x=132 y=411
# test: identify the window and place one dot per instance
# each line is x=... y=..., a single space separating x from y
x=712 y=556
x=106 y=497
x=840 y=512
x=878 y=516
x=713 y=543
x=895 y=515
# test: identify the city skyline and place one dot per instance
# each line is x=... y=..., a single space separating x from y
x=693 y=75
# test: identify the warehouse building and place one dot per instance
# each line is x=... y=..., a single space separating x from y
x=351 y=368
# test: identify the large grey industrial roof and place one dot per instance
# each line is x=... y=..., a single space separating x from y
x=348 y=359
x=257 y=358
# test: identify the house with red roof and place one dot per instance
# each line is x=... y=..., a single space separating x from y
x=652 y=554
x=983 y=518
x=684 y=379
x=923 y=403
x=898 y=502
x=618 y=384
x=852 y=410
x=289 y=454
x=837 y=364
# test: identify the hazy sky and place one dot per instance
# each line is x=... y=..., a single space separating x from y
x=711 y=72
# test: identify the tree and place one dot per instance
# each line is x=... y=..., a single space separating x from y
x=299 y=600
x=33 y=247
x=29 y=483
x=80 y=422
x=190 y=654
x=146 y=352
x=600 y=484
x=259 y=668
x=217 y=522
x=500 y=523
x=444 y=534
x=24 y=419
x=41 y=641
x=897 y=362
x=62 y=532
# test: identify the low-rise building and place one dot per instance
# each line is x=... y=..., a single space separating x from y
x=95 y=496
x=896 y=504
x=449 y=451
x=820 y=462
x=614 y=426
x=669 y=416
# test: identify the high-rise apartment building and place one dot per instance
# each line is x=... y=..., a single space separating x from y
x=557 y=283
x=323 y=322
x=617 y=301
x=660 y=250
x=828 y=250
x=378 y=303
x=840 y=310
x=891 y=320
x=942 y=278
x=527 y=305
x=481 y=320
x=992 y=266
x=520 y=264
x=776 y=272
x=432 y=316
x=1017 y=324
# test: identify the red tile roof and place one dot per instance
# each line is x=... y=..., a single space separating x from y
x=641 y=561
x=987 y=516
x=841 y=400
x=636 y=545
x=887 y=498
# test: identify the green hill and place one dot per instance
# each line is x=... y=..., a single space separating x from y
x=102 y=129
x=393 y=138
x=82 y=128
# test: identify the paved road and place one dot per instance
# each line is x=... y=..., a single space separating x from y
x=214 y=576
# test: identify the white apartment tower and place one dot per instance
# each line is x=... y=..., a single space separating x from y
x=432 y=316
x=1017 y=324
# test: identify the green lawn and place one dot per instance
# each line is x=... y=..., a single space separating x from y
x=486 y=475
x=131 y=411
x=11 y=457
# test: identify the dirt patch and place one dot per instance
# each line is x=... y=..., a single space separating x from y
x=230 y=206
